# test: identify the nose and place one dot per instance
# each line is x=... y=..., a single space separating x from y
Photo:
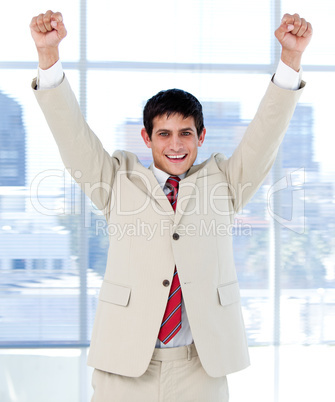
x=176 y=143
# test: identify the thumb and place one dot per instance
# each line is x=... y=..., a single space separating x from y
x=283 y=29
x=58 y=25
x=289 y=27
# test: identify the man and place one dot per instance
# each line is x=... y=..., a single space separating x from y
x=168 y=325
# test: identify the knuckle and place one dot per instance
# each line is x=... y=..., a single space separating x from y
x=286 y=17
x=33 y=22
x=47 y=15
x=39 y=19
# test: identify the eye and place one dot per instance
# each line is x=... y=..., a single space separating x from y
x=185 y=133
x=163 y=134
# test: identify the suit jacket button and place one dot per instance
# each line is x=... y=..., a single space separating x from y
x=175 y=236
x=166 y=283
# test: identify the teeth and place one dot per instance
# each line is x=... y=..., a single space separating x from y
x=175 y=156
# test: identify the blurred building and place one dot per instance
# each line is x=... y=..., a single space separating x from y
x=28 y=239
x=12 y=143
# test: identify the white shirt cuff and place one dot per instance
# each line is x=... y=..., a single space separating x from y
x=50 y=78
x=287 y=78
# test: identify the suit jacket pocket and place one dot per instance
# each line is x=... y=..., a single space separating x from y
x=229 y=293
x=115 y=294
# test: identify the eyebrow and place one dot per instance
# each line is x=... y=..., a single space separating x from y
x=181 y=130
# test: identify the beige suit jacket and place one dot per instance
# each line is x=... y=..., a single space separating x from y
x=196 y=238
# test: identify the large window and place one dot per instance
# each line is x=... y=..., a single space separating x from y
x=53 y=244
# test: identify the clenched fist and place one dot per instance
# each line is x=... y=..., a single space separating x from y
x=294 y=34
x=48 y=30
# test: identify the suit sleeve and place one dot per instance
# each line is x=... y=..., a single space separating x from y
x=252 y=160
x=81 y=151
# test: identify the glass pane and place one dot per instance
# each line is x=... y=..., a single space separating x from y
x=192 y=31
x=40 y=283
x=308 y=270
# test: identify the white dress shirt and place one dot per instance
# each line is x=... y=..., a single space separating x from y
x=285 y=78
x=184 y=335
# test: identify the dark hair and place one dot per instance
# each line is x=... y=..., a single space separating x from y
x=170 y=102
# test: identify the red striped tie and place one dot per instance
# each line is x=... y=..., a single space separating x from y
x=171 y=323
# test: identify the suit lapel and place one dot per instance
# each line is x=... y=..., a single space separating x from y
x=156 y=192
x=187 y=191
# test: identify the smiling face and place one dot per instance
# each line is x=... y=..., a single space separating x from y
x=174 y=143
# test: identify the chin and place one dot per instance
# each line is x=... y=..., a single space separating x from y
x=177 y=170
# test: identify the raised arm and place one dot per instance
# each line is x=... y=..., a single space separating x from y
x=81 y=151
x=256 y=153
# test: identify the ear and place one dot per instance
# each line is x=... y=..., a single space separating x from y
x=145 y=137
x=202 y=137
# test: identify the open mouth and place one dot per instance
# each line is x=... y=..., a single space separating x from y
x=176 y=158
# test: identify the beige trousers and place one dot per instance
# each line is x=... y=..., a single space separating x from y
x=174 y=375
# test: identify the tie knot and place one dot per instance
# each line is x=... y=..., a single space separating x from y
x=173 y=181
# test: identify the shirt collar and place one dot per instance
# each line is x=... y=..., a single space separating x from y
x=162 y=176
